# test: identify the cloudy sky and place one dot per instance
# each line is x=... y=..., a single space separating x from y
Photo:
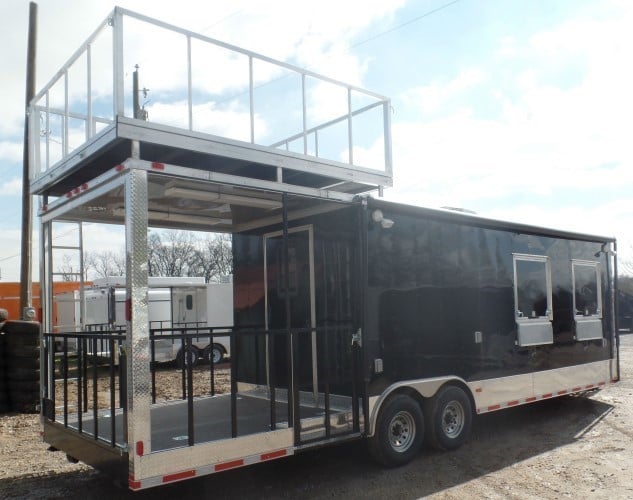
x=517 y=109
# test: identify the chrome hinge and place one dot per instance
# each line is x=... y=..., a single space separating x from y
x=357 y=338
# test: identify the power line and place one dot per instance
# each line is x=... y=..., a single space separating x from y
x=406 y=23
x=55 y=238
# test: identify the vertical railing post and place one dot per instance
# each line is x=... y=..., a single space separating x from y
x=251 y=98
x=350 y=135
x=65 y=148
x=189 y=85
x=117 y=60
x=47 y=132
x=386 y=112
x=89 y=128
x=304 y=113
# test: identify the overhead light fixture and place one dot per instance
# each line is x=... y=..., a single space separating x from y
x=186 y=218
x=231 y=199
x=178 y=217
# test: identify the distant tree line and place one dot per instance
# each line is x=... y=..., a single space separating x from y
x=170 y=253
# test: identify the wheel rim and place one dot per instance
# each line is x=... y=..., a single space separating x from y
x=216 y=355
x=453 y=419
x=194 y=357
x=401 y=431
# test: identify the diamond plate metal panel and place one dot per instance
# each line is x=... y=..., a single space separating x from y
x=137 y=342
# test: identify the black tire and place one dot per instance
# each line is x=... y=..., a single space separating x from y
x=399 y=431
x=214 y=354
x=449 y=416
x=24 y=387
x=15 y=355
x=182 y=359
x=22 y=334
x=21 y=373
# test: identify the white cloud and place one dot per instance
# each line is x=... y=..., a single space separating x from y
x=12 y=187
x=430 y=98
x=11 y=151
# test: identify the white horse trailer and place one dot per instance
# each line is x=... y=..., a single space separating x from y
x=173 y=303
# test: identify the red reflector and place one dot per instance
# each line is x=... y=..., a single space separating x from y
x=84 y=186
x=274 y=454
x=560 y=393
x=494 y=407
x=549 y=395
x=118 y=168
x=589 y=386
x=179 y=476
x=69 y=195
x=513 y=403
x=139 y=448
x=128 y=309
x=134 y=485
x=158 y=166
x=229 y=465
x=76 y=191
x=576 y=389
x=530 y=399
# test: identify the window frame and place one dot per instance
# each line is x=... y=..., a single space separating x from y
x=549 y=316
x=597 y=270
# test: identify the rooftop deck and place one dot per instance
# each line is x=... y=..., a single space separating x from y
x=210 y=107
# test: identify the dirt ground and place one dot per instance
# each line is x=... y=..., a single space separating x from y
x=578 y=447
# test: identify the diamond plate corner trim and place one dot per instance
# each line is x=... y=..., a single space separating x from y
x=137 y=342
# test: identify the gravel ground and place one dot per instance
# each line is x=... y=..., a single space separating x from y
x=569 y=447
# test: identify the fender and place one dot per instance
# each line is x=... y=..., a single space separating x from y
x=427 y=388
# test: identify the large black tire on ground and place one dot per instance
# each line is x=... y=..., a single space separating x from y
x=21 y=334
x=449 y=416
x=399 y=431
x=5 y=404
x=22 y=364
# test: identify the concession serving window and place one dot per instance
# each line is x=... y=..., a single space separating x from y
x=587 y=299
x=533 y=299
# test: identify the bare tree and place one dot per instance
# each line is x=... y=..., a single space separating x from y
x=68 y=270
x=104 y=264
x=214 y=258
x=171 y=253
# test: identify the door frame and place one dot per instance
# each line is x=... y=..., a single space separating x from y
x=276 y=234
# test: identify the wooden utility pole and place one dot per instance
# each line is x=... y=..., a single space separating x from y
x=26 y=298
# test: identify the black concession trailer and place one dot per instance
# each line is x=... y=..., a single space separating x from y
x=433 y=316
x=353 y=317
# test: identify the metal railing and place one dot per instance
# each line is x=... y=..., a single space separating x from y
x=86 y=392
x=72 y=361
x=204 y=85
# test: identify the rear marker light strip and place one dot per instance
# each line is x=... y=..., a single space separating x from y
x=179 y=476
x=516 y=402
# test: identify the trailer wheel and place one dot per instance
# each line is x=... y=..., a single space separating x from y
x=399 y=431
x=449 y=417
x=216 y=354
x=182 y=358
